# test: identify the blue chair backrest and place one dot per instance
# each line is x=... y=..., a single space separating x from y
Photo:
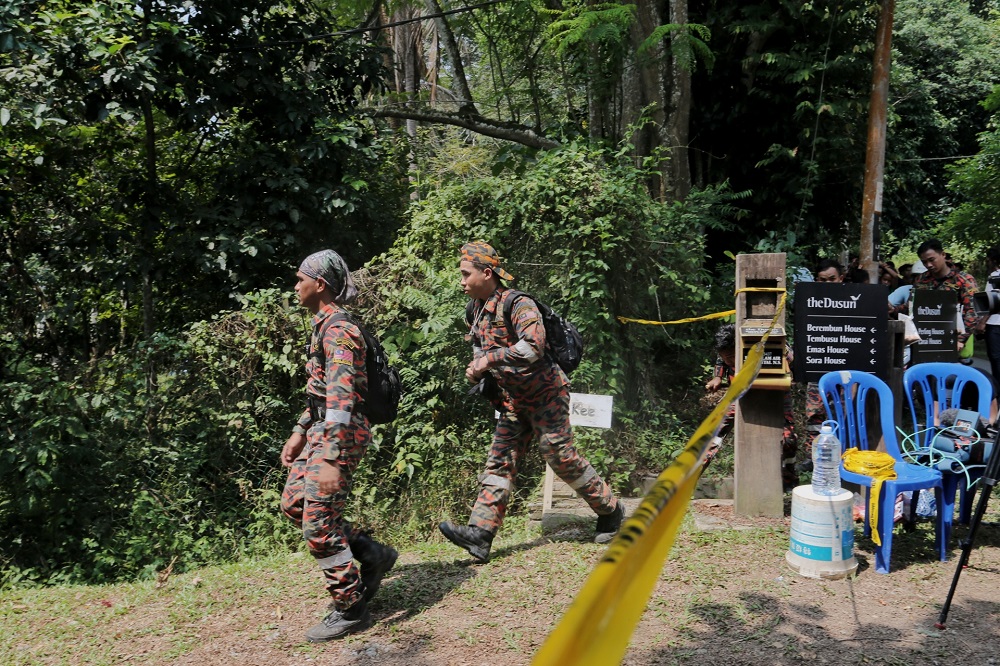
x=845 y=394
x=931 y=381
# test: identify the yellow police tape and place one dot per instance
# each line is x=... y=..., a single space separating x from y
x=688 y=320
x=596 y=628
x=714 y=315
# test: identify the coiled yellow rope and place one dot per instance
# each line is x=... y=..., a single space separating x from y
x=881 y=467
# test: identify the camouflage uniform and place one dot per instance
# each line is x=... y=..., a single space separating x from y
x=789 y=440
x=335 y=432
x=534 y=404
x=815 y=415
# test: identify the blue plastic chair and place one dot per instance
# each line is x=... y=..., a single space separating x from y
x=930 y=381
x=845 y=394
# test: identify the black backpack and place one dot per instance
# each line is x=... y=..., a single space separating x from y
x=381 y=403
x=563 y=343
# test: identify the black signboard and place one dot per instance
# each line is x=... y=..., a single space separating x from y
x=773 y=360
x=840 y=327
x=934 y=316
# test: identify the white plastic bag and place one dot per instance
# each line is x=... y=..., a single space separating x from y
x=910 y=334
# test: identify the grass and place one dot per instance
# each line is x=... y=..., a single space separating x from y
x=64 y=625
x=719 y=589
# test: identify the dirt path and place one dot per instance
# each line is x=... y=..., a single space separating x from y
x=724 y=597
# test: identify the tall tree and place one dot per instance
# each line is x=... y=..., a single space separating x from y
x=169 y=152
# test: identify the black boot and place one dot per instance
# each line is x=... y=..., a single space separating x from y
x=338 y=624
x=376 y=561
x=607 y=526
x=476 y=540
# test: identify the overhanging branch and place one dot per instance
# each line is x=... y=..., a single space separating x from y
x=485 y=126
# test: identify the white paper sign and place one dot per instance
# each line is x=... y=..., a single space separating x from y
x=589 y=410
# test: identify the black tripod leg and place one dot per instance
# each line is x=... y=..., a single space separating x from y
x=987 y=482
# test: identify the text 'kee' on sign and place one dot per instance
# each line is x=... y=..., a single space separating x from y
x=840 y=327
x=587 y=410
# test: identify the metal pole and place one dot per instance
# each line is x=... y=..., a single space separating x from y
x=871 y=210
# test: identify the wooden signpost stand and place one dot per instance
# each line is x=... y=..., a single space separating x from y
x=760 y=412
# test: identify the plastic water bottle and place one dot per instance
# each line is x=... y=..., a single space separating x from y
x=826 y=461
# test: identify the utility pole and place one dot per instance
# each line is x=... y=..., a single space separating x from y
x=871 y=209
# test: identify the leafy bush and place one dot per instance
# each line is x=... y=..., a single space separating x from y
x=579 y=231
x=101 y=479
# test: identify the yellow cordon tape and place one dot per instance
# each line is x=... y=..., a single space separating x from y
x=881 y=467
x=688 y=320
x=597 y=626
x=717 y=315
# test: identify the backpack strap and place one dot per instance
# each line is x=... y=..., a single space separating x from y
x=343 y=315
x=509 y=298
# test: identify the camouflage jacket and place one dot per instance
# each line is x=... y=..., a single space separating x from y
x=517 y=366
x=336 y=376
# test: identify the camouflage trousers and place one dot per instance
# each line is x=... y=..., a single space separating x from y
x=789 y=440
x=320 y=516
x=815 y=414
x=544 y=415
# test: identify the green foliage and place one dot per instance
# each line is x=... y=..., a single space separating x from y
x=947 y=61
x=88 y=493
x=796 y=74
x=174 y=153
x=976 y=183
x=588 y=26
x=688 y=42
x=578 y=231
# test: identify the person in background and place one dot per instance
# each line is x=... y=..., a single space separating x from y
x=829 y=270
x=942 y=276
x=900 y=297
x=989 y=326
x=887 y=275
x=725 y=370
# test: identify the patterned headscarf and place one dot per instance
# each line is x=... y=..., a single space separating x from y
x=483 y=254
x=328 y=266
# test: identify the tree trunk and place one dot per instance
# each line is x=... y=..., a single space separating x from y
x=679 y=123
x=460 y=82
x=644 y=85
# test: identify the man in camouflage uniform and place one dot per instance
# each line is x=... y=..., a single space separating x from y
x=532 y=396
x=326 y=446
x=725 y=370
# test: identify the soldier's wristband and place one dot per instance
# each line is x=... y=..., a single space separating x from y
x=298 y=430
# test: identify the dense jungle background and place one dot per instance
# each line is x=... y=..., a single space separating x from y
x=166 y=165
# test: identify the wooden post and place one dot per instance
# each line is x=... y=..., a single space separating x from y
x=895 y=379
x=760 y=412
